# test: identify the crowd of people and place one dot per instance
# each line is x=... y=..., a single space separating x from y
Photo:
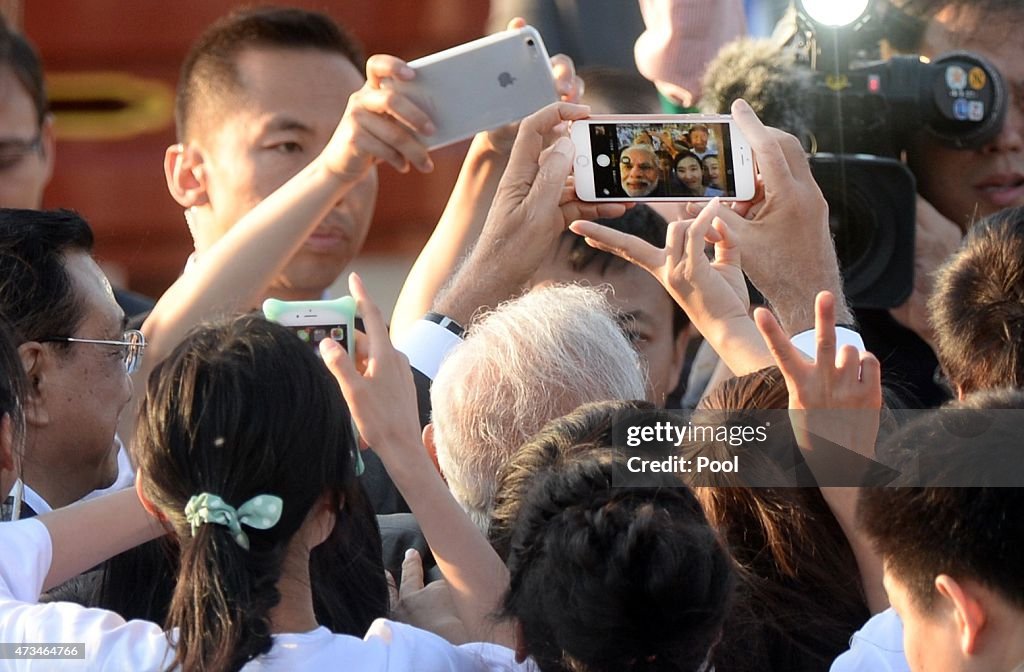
x=681 y=161
x=179 y=477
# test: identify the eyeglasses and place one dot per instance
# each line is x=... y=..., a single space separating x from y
x=133 y=345
x=13 y=151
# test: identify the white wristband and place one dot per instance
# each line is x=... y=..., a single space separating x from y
x=806 y=343
x=426 y=344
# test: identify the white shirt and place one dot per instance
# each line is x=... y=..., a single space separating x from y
x=110 y=643
x=877 y=647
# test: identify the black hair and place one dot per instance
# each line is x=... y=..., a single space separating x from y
x=210 y=72
x=241 y=409
x=588 y=430
x=977 y=307
x=617 y=91
x=640 y=221
x=972 y=533
x=20 y=56
x=36 y=292
x=687 y=154
x=13 y=385
x=615 y=578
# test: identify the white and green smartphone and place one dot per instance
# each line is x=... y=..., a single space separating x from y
x=312 y=322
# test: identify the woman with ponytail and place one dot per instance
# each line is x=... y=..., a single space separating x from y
x=245 y=457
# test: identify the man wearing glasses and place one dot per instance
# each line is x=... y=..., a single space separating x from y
x=27 y=139
x=26 y=130
x=77 y=353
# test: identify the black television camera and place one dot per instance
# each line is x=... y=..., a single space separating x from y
x=865 y=113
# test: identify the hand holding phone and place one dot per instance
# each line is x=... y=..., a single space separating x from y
x=652 y=158
x=480 y=85
x=313 y=321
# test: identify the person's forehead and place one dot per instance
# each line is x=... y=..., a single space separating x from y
x=635 y=154
x=990 y=35
x=101 y=310
x=17 y=111
x=310 y=86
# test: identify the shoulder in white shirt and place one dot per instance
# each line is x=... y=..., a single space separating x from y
x=111 y=643
x=877 y=647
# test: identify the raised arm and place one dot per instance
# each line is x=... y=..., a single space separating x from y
x=836 y=397
x=383 y=403
x=88 y=533
x=532 y=207
x=712 y=293
x=787 y=226
x=464 y=215
x=378 y=126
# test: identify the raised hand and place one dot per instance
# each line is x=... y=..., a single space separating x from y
x=532 y=207
x=378 y=386
x=843 y=389
x=379 y=125
x=712 y=292
x=837 y=398
x=787 y=224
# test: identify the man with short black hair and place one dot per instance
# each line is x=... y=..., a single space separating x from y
x=26 y=128
x=260 y=94
x=72 y=339
x=977 y=309
x=27 y=138
x=952 y=555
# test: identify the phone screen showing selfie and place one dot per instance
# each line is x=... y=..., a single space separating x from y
x=313 y=334
x=692 y=160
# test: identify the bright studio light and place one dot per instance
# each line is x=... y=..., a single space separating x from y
x=835 y=13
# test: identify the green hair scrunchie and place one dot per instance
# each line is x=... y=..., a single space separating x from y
x=260 y=513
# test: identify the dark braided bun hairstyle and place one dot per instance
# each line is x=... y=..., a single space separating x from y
x=616 y=578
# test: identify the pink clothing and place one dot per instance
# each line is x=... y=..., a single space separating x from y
x=682 y=36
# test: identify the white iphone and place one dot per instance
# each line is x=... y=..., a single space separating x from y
x=647 y=158
x=313 y=321
x=481 y=85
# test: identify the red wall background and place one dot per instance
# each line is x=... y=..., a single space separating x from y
x=118 y=185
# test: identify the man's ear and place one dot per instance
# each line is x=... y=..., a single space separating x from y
x=968 y=611
x=428 y=443
x=38 y=364
x=48 y=136
x=185 y=174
